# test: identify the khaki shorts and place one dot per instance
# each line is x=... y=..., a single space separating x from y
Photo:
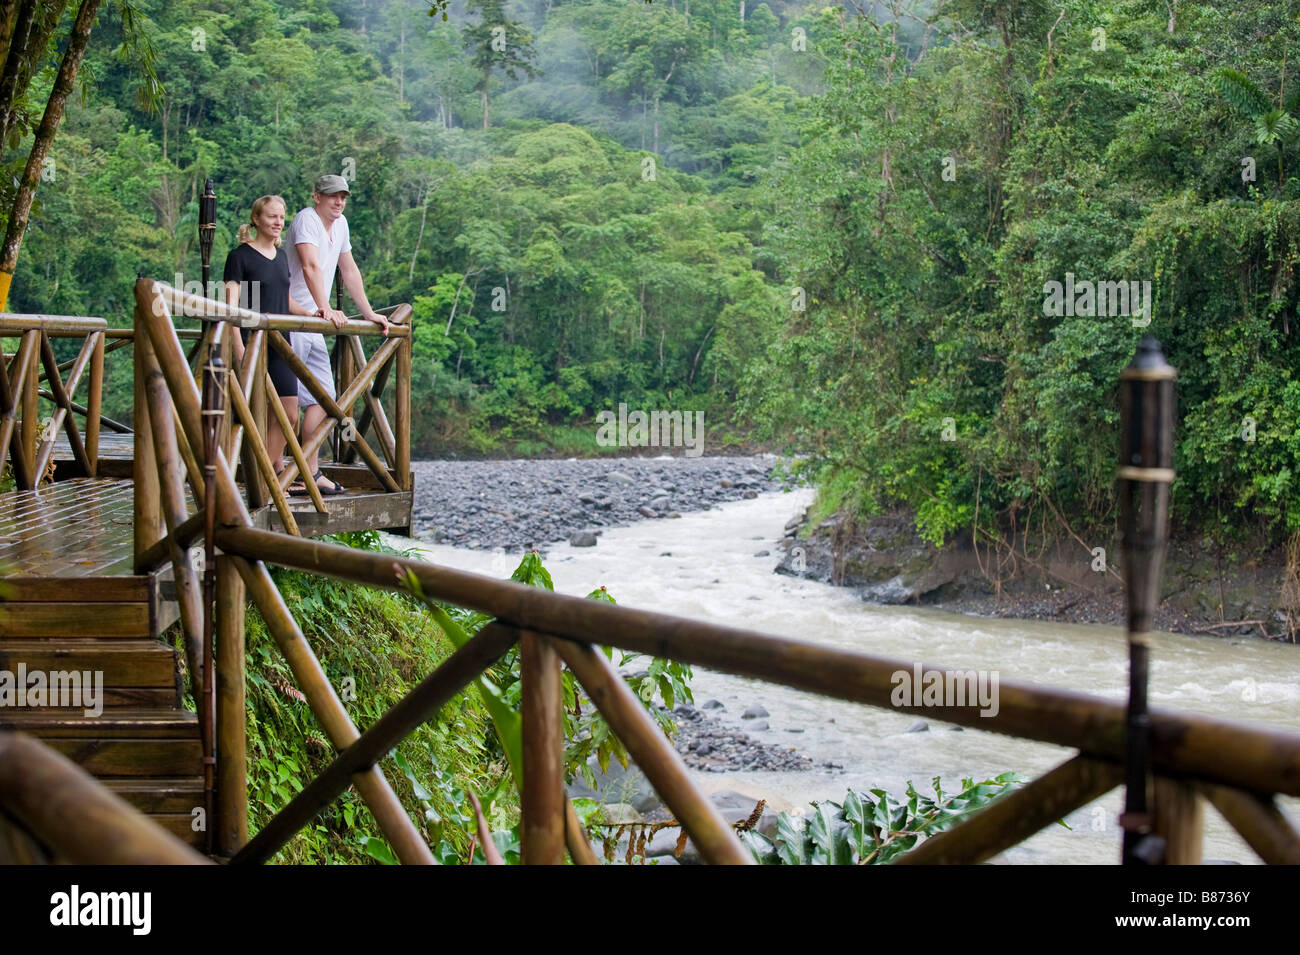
x=315 y=354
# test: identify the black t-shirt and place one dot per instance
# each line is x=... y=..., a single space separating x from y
x=246 y=265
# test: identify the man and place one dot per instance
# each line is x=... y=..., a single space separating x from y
x=318 y=244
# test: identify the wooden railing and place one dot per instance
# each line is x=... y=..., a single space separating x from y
x=26 y=438
x=1237 y=767
x=359 y=379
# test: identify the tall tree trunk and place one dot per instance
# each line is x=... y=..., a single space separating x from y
x=424 y=214
x=44 y=140
x=32 y=25
x=655 y=150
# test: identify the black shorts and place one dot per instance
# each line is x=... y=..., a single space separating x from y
x=282 y=376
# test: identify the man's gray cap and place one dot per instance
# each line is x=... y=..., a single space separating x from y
x=328 y=185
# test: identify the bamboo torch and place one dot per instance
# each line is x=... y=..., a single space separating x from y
x=1145 y=473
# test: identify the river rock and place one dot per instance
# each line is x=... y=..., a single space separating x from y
x=646 y=512
x=618 y=477
x=754 y=712
x=920 y=726
x=619 y=812
x=618 y=785
x=583 y=539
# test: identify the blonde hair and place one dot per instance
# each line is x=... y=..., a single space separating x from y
x=249 y=228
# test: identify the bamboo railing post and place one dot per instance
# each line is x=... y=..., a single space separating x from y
x=402 y=415
x=232 y=783
x=575 y=839
x=1257 y=820
x=334 y=407
x=259 y=395
x=653 y=753
x=1178 y=817
x=147 y=517
x=95 y=402
x=372 y=412
x=31 y=423
x=373 y=787
x=260 y=463
x=9 y=419
x=339 y=366
x=542 y=822
x=62 y=415
x=171 y=496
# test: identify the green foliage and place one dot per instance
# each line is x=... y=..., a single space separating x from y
x=664 y=683
x=934 y=196
x=871 y=828
x=549 y=279
x=375 y=647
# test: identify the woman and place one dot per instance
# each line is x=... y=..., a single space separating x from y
x=259 y=266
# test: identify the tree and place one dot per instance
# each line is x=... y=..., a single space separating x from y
x=497 y=42
x=30 y=26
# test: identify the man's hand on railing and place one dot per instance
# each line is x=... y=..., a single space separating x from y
x=379 y=320
x=336 y=316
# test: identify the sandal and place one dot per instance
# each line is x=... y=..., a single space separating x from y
x=336 y=487
x=296 y=488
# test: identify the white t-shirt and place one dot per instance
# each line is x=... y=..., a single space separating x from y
x=308 y=229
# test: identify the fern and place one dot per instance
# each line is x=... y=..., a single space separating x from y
x=1242 y=92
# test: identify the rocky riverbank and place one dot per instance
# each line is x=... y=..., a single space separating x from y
x=518 y=505
x=1204 y=590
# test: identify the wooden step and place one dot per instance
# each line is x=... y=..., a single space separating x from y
x=46 y=619
x=136 y=673
x=132 y=757
x=181 y=794
x=120 y=589
x=119 y=742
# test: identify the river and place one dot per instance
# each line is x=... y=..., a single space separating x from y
x=704 y=566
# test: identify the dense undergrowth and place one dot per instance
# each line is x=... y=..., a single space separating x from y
x=375 y=647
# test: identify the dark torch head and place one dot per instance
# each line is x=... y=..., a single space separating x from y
x=1145 y=473
x=207 y=227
